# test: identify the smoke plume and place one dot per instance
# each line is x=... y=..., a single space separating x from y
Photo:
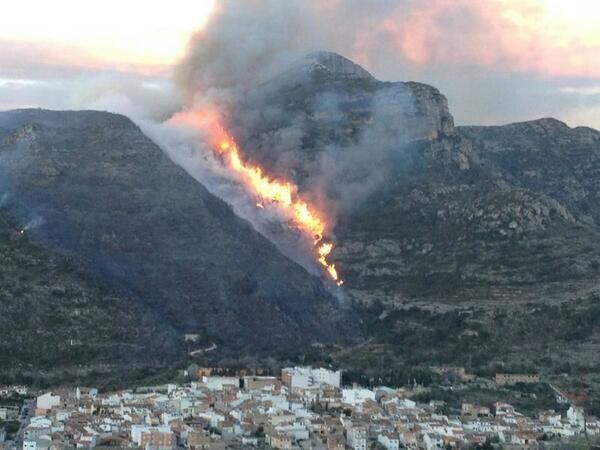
x=33 y=223
x=228 y=69
x=4 y=198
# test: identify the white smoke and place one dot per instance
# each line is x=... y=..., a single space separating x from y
x=33 y=223
x=135 y=96
x=4 y=200
x=245 y=44
x=187 y=148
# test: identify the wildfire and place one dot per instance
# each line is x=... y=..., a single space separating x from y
x=267 y=189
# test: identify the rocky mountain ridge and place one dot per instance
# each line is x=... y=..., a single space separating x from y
x=435 y=220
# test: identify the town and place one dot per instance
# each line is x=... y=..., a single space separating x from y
x=303 y=408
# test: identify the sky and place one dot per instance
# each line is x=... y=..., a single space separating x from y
x=497 y=61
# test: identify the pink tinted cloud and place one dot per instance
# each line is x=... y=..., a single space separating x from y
x=43 y=61
x=508 y=34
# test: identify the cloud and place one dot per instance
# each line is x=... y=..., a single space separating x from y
x=51 y=61
x=135 y=96
x=111 y=32
x=581 y=90
x=513 y=47
x=495 y=60
x=513 y=35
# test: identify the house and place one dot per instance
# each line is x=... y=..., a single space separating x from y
x=576 y=416
x=37 y=444
x=137 y=432
x=307 y=377
x=504 y=409
x=158 y=440
x=470 y=410
x=38 y=427
x=260 y=383
x=9 y=412
x=281 y=441
x=503 y=379
x=432 y=441
x=336 y=442
x=220 y=383
x=356 y=436
x=46 y=402
x=356 y=395
x=390 y=441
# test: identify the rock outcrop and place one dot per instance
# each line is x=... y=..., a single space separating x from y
x=333 y=64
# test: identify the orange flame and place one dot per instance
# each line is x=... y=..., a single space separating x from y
x=267 y=189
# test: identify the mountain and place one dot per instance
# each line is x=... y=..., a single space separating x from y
x=59 y=322
x=443 y=232
x=110 y=223
x=473 y=246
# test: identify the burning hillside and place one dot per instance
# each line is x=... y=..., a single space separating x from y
x=269 y=192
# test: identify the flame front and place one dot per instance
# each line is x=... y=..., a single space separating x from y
x=285 y=194
x=268 y=189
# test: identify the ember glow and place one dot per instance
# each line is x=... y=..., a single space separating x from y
x=268 y=190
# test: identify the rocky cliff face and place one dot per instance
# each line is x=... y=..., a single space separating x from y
x=92 y=187
x=468 y=214
x=328 y=101
x=332 y=64
x=490 y=214
x=474 y=222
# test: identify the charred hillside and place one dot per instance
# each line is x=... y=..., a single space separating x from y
x=94 y=188
x=60 y=322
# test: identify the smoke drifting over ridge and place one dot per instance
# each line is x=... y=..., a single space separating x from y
x=245 y=45
x=248 y=43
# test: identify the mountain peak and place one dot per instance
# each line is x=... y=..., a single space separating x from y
x=334 y=64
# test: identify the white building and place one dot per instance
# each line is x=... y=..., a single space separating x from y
x=357 y=396
x=138 y=430
x=576 y=416
x=307 y=377
x=47 y=401
x=220 y=383
x=356 y=436
x=29 y=445
x=389 y=440
x=432 y=441
x=298 y=431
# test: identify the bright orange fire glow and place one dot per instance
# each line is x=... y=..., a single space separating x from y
x=267 y=189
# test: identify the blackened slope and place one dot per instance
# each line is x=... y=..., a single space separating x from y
x=109 y=194
x=58 y=321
